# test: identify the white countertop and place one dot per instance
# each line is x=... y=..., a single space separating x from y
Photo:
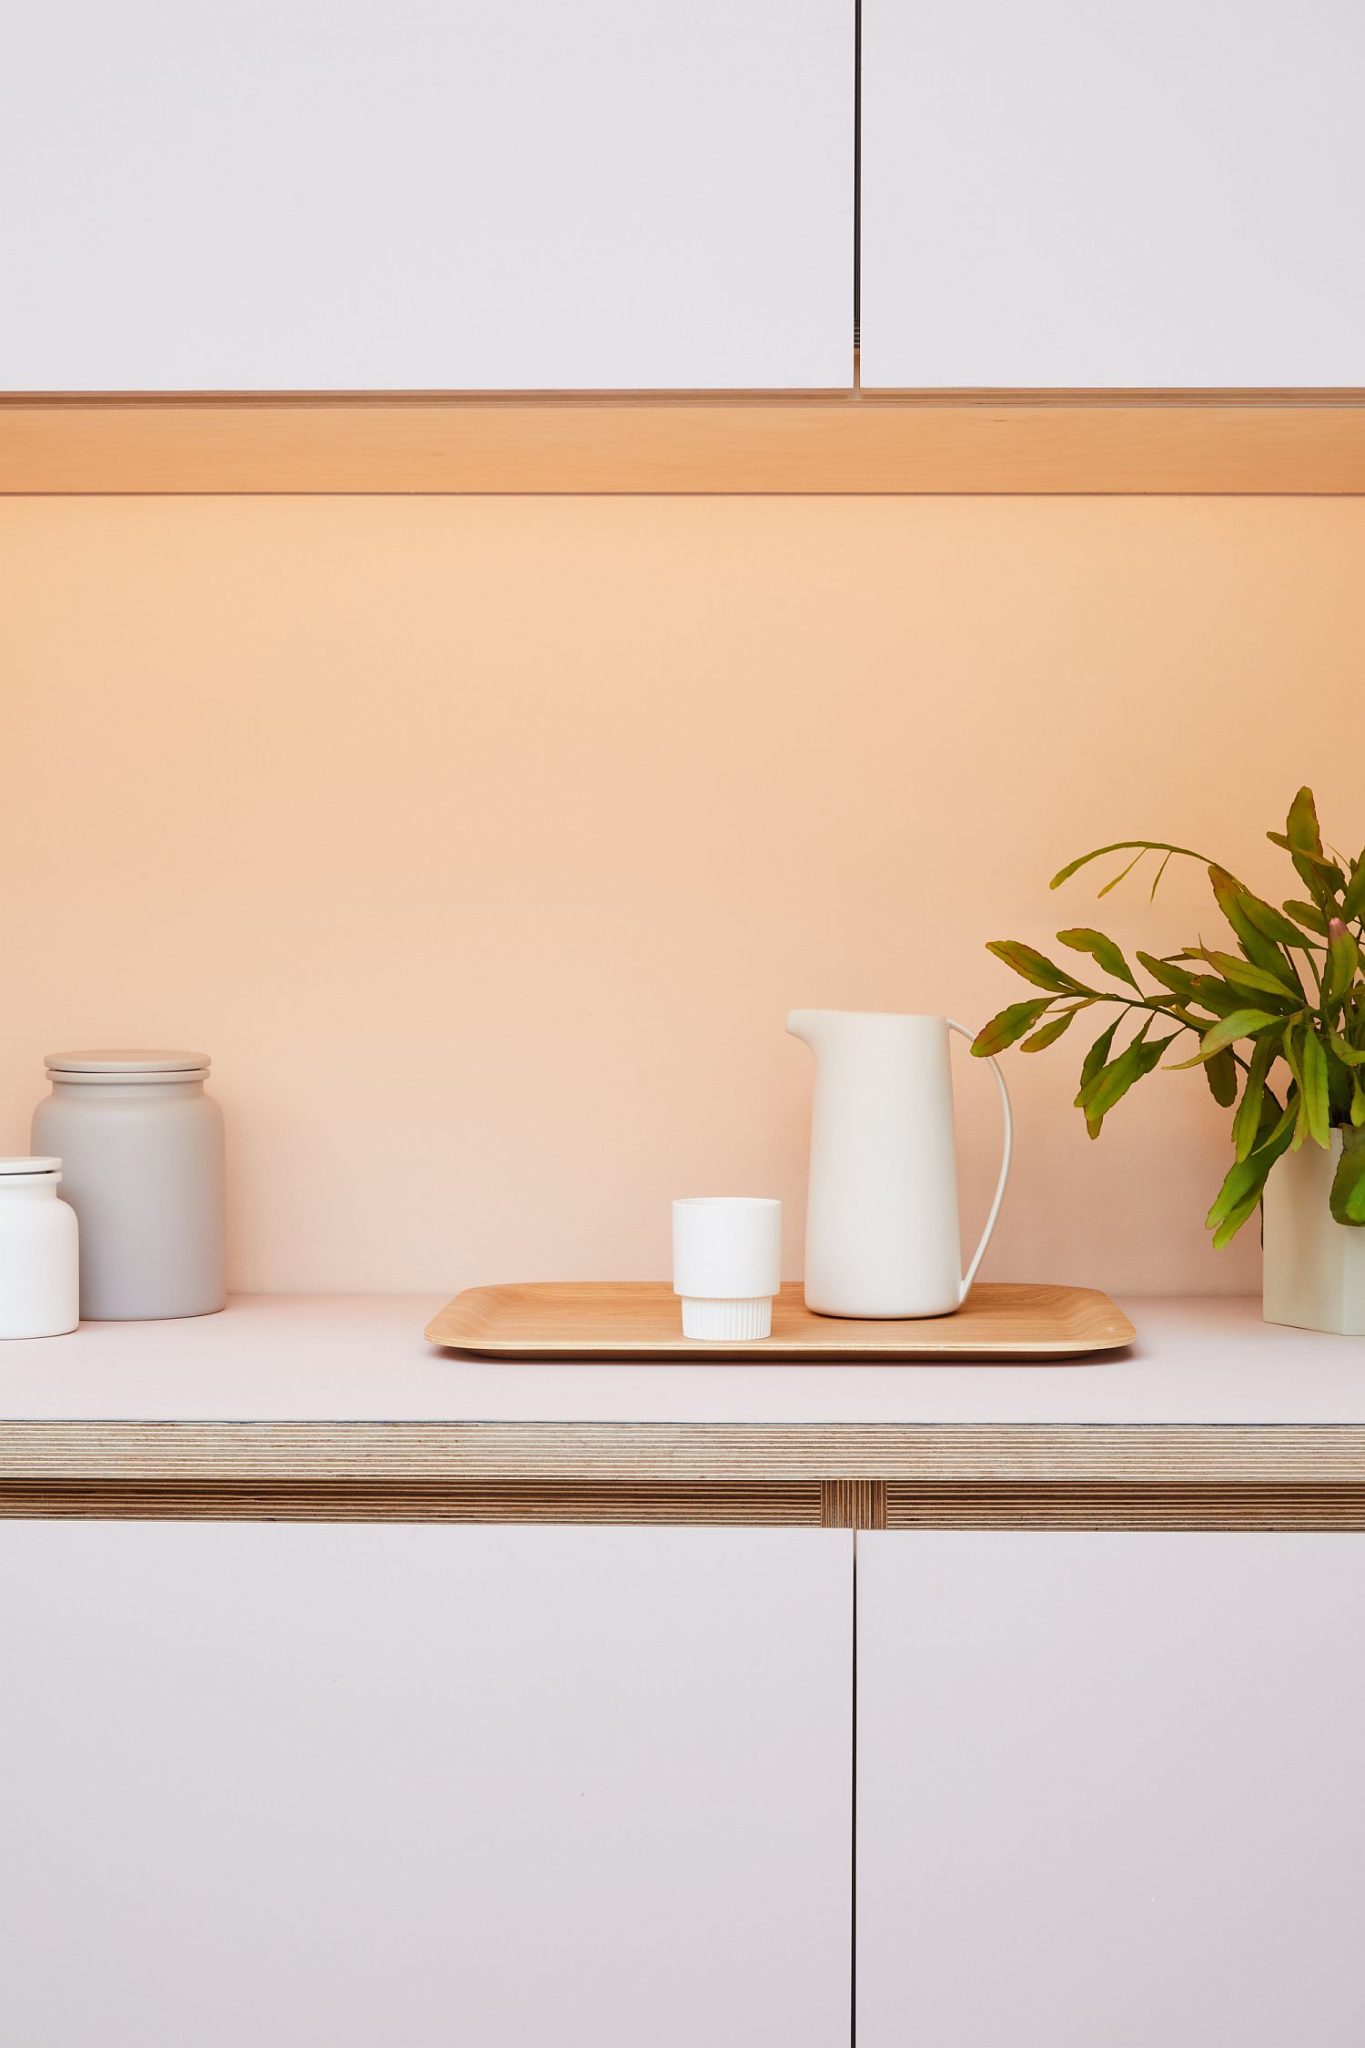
x=362 y=1358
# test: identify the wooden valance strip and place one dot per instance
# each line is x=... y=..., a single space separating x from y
x=908 y=444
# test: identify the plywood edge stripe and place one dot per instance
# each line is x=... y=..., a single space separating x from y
x=853 y=1504
x=920 y=1453
x=839 y=1475
x=758 y=1506
x=760 y=444
x=860 y=1504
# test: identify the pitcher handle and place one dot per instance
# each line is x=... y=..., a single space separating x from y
x=979 y=1253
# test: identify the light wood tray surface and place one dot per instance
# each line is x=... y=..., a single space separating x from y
x=641 y=1320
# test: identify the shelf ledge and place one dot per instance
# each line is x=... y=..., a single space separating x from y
x=895 y=444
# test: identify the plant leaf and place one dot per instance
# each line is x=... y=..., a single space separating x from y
x=1035 y=967
x=1315 y=1095
x=1052 y=1030
x=1112 y=1082
x=1339 y=1078
x=1211 y=994
x=1348 y=1182
x=1222 y=1074
x=1168 y=974
x=1246 y=1125
x=1272 y=924
x=1094 y=1071
x=1242 y=974
x=1009 y=1024
x=1244 y=1177
x=1241 y=1024
x=1349 y=1055
x=1343 y=961
x=1121 y=876
x=1233 y=900
x=1317 y=861
x=1242 y=1188
x=1121 y=846
x=1309 y=916
x=1082 y=940
x=1283 y=1126
x=1097 y=1055
x=1230 y=1225
x=1301 y=826
x=1323 y=877
x=1353 y=902
x=1293 y=1054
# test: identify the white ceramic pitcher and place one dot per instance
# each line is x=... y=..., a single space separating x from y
x=881 y=1225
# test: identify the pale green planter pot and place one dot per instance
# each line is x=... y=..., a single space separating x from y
x=1314 y=1275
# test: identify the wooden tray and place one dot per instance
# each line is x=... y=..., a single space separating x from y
x=641 y=1320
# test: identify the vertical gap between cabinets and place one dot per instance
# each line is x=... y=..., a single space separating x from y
x=857 y=186
x=853 y=1846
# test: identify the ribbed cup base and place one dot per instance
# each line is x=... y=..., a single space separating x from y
x=728 y=1322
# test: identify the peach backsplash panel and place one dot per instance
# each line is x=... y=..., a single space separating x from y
x=486 y=843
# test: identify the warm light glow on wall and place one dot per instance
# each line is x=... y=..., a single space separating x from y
x=487 y=843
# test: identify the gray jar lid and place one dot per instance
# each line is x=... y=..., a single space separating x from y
x=29 y=1163
x=104 y=1064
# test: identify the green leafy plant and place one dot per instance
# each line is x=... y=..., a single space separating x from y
x=1279 y=1023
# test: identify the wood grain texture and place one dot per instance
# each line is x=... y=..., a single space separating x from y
x=853 y=1504
x=659 y=1503
x=903 y=443
x=864 y=1476
x=1099 y=1505
x=640 y=1320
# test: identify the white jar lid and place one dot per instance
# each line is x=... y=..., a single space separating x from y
x=29 y=1164
x=104 y=1064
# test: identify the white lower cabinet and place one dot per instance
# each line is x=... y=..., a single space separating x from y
x=290 y=1786
x=277 y=1785
x=1111 y=1790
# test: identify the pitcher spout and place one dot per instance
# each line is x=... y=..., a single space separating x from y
x=805 y=1024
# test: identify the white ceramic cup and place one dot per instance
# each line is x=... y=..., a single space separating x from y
x=727 y=1265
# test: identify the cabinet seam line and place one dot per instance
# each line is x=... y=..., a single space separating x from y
x=857 y=188
x=853 y=1810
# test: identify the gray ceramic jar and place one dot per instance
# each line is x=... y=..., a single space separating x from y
x=141 y=1147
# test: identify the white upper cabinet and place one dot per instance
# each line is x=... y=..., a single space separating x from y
x=1072 y=194
x=426 y=195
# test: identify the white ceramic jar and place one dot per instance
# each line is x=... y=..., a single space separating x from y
x=39 y=1293
x=142 y=1152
